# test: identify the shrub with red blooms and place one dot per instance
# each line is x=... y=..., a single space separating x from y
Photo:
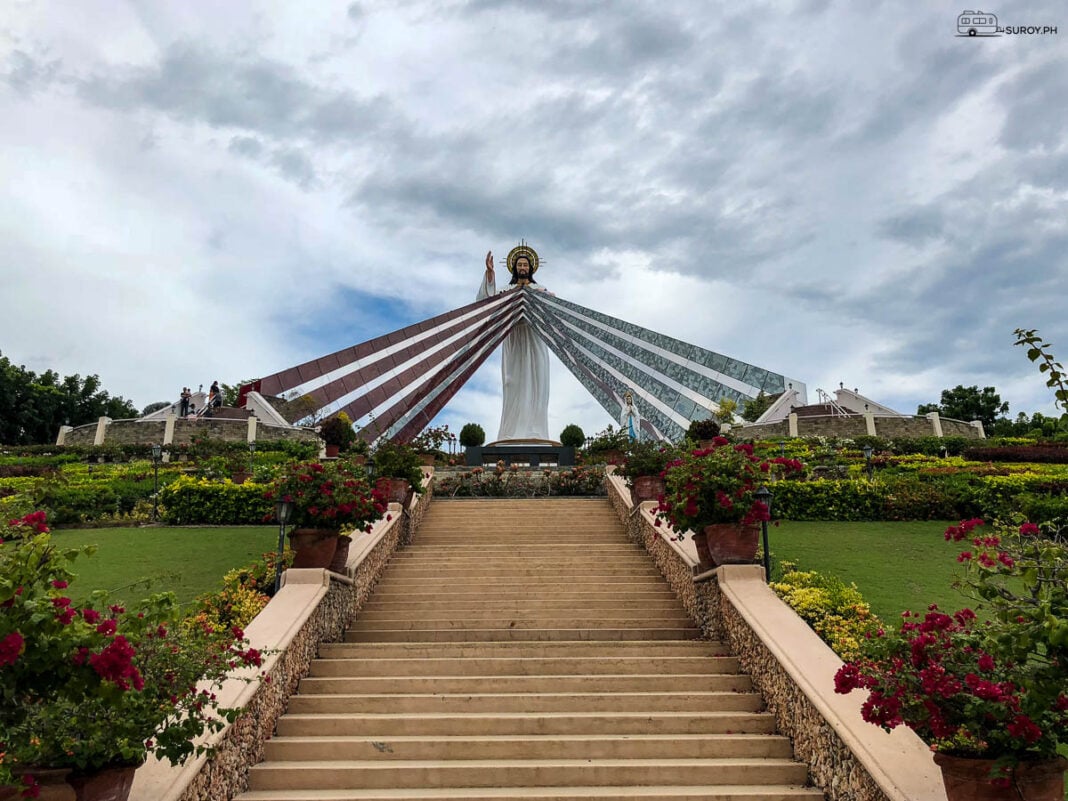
x=90 y=685
x=331 y=495
x=996 y=690
x=713 y=485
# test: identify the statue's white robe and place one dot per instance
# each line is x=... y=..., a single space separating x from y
x=525 y=378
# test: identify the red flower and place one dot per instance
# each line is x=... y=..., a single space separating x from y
x=60 y=603
x=59 y=585
x=10 y=648
x=1029 y=529
x=115 y=664
x=107 y=628
x=1024 y=728
x=91 y=616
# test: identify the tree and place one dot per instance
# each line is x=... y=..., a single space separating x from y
x=752 y=409
x=154 y=407
x=33 y=407
x=968 y=403
x=727 y=408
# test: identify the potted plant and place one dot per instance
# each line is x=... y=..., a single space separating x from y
x=607 y=446
x=428 y=444
x=712 y=492
x=90 y=688
x=990 y=699
x=643 y=466
x=337 y=433
x=328 y=499
x=572 y=436
x=703 y=431
x=398 y=471
x=472 y=435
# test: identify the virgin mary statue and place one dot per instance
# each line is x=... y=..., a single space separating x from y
x=524 y=357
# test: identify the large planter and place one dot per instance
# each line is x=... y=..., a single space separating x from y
x=339 y=564
x=396 y=490
x=110 y=784
x=727 y=544
x=52 y=785
x=332 y=451
x=313 y=547
x=646 y=488
x=969 y=780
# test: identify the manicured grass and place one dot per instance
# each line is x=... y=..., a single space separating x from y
x=185 y=561
x=896 y=566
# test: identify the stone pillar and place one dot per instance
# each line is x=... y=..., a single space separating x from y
x=101 y=430
x=869 y=423
x=252 y=425
x=978 y=424
x=63 y=431
x=936 y=423
x=168 y=433
x=793 y=424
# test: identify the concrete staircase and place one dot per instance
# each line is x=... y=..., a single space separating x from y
x=525 y=649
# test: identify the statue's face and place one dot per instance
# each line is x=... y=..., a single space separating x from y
x=522 y=267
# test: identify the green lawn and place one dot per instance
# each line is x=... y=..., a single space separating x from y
x=186 y=561
x=896 y=566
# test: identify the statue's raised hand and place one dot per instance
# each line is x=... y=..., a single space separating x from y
x=489 y=262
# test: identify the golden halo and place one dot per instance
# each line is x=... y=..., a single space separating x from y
x=522 y=249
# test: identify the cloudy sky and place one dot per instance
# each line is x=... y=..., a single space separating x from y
x=833 y=190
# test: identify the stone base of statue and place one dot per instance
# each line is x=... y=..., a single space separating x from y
x=533 y=452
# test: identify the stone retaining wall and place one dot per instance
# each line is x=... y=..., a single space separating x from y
x=151 y=432
x=854 y=425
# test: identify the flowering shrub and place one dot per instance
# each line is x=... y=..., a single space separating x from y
x=994 y=690
x=836 y=611
x=93 y=685
x=646 y=458
x=328 y=496
x=714 y=485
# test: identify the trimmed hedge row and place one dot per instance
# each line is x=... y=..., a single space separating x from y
x=190 y=501
x=1046 y=454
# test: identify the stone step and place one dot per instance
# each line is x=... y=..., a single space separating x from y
x=374 y=621
x=473 y=703
x=662 y=746
x=644 y=793
x=667 y=666
x=367 y=774
x=628 y=650
x=558 y=723
x=544 y=683
x=518 y=633
x=538 y=583
x=528 y=605
x=615 y=592
x=520 y=570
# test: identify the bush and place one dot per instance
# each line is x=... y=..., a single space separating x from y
x=338 y=431
x=703 y=429
x=1045 y=453
x=189 y=501
x=472 y=435
x=572 y=436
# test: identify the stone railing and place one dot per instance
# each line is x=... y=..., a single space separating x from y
x=312 y=607
x=791 y=667
x=856 y=424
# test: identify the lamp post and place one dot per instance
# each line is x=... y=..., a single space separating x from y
x=283 y=511
x=764 y=496
x=867 y=460
x=251 y=458
x=157 y=451
x=369 y=467
x=782 y=448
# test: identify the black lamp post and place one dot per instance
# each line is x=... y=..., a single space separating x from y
x=251 y=458
x=370 y=468
x=867 y=460
x=157 y=451
x=782 y=448
x=283 y=512
x=764 y=496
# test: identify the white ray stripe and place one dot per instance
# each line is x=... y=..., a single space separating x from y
x=668 y=412
x=399 y=394
x=746 y=389
x=358 y=364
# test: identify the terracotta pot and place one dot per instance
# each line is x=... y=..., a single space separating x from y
x=52 y=783
x=396 y=490
x=969 y=780
x=646 y=488
x=727 y=544
x=313 y=547
x=339 y=564
x=332 y=451
x=239 y=476
x=110 y=784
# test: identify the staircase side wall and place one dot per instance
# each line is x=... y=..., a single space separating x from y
x=833 y=765
x=242 y=745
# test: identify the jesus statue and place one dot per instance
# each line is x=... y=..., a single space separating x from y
x=524 y=358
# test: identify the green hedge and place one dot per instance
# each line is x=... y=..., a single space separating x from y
x=904 y=498
x=190 y=501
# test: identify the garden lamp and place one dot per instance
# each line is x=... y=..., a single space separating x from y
x=782 y=448
x=157 y=451
x=251 y=457
x=370 y=468
x=764 y=496
x=283 y=512
x=867 y=459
